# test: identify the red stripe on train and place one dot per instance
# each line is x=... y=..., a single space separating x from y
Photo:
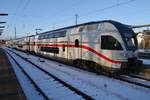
x=80 y=46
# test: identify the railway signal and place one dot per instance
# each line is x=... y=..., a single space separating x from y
x=1 y=30
x=2 y=22
x=3 y=14
x=2 y=26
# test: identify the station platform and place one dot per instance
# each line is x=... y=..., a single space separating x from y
x=9 y=85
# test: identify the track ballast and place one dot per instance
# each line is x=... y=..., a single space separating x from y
x=64 y=84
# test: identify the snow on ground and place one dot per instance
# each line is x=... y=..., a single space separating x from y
x=29 y=90
x=97 y=86
x=146 y=61
x=47 y=83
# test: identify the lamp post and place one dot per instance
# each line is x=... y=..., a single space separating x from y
x=76 y=21
x=28 y=38
x=15 y=32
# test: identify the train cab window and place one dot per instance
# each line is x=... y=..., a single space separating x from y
x=76 y=43
x=110 y=43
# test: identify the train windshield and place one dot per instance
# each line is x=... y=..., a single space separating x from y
x=129 y=41
x=128 y=36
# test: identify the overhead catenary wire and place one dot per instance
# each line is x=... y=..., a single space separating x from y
x=19 y=12
x=69 y=19
x=109 y=7
x=95 y=11
x=25 y=5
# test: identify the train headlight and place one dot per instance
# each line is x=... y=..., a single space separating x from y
x=116 y=65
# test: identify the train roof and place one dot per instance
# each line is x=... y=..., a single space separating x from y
x=117 y=24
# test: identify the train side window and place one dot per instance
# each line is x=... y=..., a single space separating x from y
x=110 y=43
x=50 y=49
x=62 y=34
x=50 y=35
x=76 y=43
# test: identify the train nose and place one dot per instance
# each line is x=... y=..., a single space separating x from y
x=132 y=54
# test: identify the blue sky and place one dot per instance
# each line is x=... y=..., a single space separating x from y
x=27 y=15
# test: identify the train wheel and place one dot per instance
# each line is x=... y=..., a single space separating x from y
x=98 y=70
x=78 y=63
x=91 y=66
x=84 y=65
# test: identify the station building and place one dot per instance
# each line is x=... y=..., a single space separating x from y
x=144 y=39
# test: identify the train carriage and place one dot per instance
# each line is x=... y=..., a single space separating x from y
x=108 y=44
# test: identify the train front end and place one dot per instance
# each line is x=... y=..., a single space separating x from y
x=130 y=52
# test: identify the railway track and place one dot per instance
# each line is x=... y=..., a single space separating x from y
x=72 y=92
x=36 y=59
x=137 y=81
x=29 y=77
x=133 y=79
x=140 y=77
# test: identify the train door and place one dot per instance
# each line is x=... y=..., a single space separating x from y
x=74 y=50
x=31 y=43
x=35 y=41
x=64 y=49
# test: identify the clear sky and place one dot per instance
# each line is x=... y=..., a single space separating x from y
x=27 y=15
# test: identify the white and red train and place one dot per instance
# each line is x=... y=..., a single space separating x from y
x=104 y=45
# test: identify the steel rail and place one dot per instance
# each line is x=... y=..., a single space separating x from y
x=125 y=79
x=139 y=77
x=28 y=76
x=85 y=96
